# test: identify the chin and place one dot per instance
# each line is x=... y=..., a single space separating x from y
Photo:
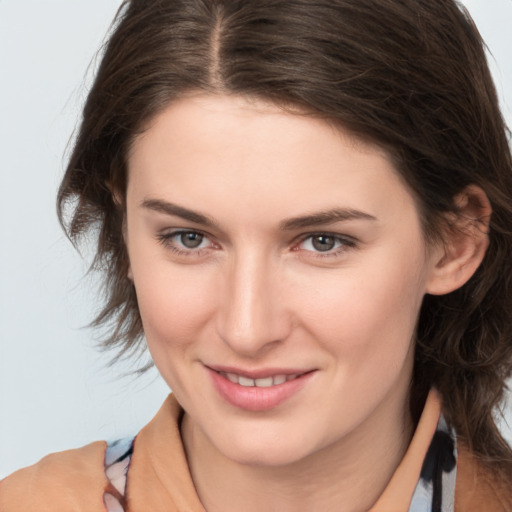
x=268 y=456
x=268 y=449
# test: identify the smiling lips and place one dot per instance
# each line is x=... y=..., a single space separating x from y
x=258 y=393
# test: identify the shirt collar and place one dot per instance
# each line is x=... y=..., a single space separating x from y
x=424 y=478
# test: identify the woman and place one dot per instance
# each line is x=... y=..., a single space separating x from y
x=304 y=209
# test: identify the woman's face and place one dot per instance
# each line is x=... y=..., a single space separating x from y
x=279 y=266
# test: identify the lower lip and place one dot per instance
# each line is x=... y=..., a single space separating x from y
x=253 y=398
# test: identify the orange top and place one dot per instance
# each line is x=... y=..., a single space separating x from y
x=159 y=479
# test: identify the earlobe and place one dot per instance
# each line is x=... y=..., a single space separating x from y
x=465 y=242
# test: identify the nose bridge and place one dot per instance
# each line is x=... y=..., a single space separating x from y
x=251 y=313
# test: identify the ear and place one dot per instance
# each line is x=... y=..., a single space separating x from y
x=464 y=244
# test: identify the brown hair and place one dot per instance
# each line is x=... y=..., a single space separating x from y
x=409 y=75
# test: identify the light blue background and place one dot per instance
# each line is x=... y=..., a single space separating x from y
x=56 y=391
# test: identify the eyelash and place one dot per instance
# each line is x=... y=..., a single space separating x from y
x=346 y=243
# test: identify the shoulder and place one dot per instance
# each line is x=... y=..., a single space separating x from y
x=73 y=480
x=479 y=487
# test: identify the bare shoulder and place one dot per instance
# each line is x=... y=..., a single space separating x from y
x=70 y=480
x=479 y=487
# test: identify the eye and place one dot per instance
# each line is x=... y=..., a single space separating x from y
x=190 y=239
x=185 y=242
x=326 y=243
x=322 y=243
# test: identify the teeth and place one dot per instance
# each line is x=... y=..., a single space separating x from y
x=232 y=377
x=266 y=382
x=279 y=379
x=244 y=381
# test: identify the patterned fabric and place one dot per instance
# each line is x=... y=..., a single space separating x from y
x=117 y=461
x=435 y=491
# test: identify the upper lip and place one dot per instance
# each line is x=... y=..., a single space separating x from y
x=260 y=373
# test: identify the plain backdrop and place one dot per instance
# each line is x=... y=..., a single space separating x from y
x=56 y=390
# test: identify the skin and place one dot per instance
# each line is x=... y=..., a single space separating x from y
x=253 y=295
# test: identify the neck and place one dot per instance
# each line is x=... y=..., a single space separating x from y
x=349 y=475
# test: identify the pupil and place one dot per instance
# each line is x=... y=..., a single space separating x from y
x=323 y=243
x=191 y=240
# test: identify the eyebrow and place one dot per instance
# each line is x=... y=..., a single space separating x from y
x=315 y=219
x=325 y=217
x=158 y=205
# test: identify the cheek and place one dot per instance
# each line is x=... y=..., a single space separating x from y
x=368 y=313
x=174 y=309
x=174 y=304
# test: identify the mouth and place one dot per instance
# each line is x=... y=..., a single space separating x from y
x=258 y=390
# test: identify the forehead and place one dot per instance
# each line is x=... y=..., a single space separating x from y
x=245 y=152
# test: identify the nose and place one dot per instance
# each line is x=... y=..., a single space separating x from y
x=252 y=314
